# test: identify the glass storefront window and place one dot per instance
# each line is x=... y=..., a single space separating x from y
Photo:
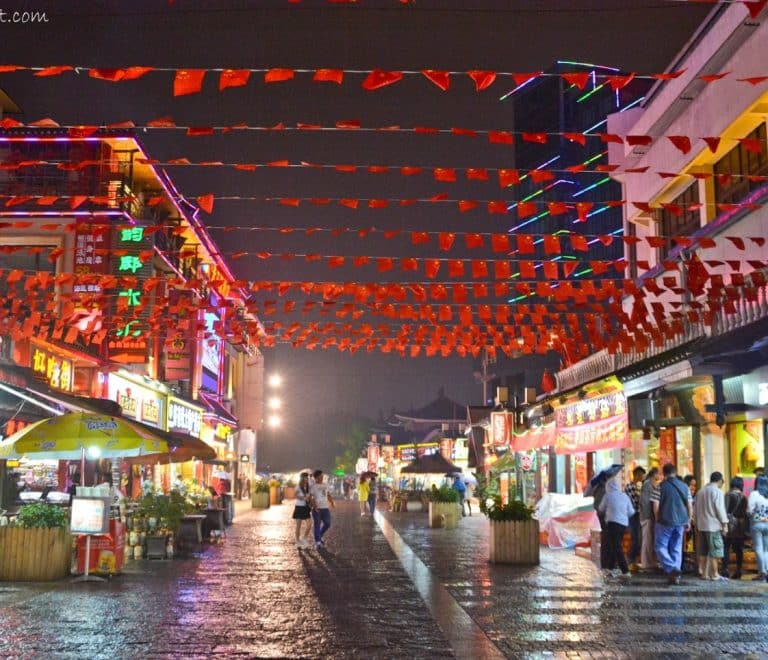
x=684 y=450
x=579 y=476
x=747 y=447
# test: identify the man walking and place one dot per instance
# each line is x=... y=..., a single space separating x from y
x=461 y=489
x=711 y=523
x=321 y=514
x=636 y=533
x=672 y=512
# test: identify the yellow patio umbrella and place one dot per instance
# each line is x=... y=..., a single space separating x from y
x=75 y=435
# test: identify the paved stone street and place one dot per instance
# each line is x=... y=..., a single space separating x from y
x=386 y=589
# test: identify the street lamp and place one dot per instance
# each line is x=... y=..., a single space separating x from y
x=274 y=421
x=274 y=403
x=275 y=380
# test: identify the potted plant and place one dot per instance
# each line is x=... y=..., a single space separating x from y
x=514 y=532
x=289 y=490
x=37 y=546
x=444 y=507
x=259 y=494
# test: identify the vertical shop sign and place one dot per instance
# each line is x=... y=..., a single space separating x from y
x=91 y=242
x=501 y=428
x=667 y=449
x=179 y=343
x=56 y=371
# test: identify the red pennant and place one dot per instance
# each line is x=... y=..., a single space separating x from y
x=551 y=244
x=188 y=81
x=136 y=72
x=445 y=240
x=668 y=76
x=755 y=7
x=431 y=268
x=579 y=138
x=440 y=78
x=479 y=269
x=502 y=270
x=522 y=78
x=527 y=270
x=538 y=138
x=329 y=75
x=467 y=205
x=279 y=75
x=445 y=174
x=349 y=203
x=410 y=171
x=639 y=140
x=483 y=79
x=335 y=262
x=619 y=82
x=377 y=79
x=500 y=137
x=498 y=207
x=206 y=203
x=508 y=177
x=583 y=209
x=473 y=241
x=526 y=209
x=476 y=174
x=754 y=80
x=233 y=78
x=111 y=75
x=713 y=77
x=580 y=79
x=455 y=268
x=419 y=237
x=500 y=243
x=611 y=137
x=540 y=176
x=551 y=271
x=53 y=71
x=524 y=244
x=385 y=264
x=557 y=208
x=409 y=264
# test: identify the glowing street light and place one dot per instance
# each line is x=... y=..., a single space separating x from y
x=274 y=421
x=275 y=403
x=275 y=380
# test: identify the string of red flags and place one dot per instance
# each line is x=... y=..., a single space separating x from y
x=683 y=143
x=505 y=177
x=188 y=81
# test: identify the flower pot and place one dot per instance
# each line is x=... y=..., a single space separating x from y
x=447 y=511
x=34 y=555
x=260 y=501
x=514 y=542
x=289 y=493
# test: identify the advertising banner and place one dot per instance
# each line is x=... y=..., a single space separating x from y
x=592 y=424
x=502 y=425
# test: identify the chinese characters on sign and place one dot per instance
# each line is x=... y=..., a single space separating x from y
x=184 y=417
x=592 y=425
x=90 y=253
x=56 y=371
x=502 y=425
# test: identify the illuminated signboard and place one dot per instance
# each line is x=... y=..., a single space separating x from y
x=137 y=401
x=184 y=417
x=90 y=515
x=57 y=371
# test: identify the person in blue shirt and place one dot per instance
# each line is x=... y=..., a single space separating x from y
x=458 y=485
x=672 y=511
x=617 y=509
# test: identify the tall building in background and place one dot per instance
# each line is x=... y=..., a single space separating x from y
x=551 y=106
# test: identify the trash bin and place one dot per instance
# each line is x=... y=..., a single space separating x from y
x=228 y=504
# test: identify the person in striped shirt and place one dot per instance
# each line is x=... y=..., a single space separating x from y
x=636 y=532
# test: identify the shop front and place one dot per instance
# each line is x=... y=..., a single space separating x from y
x=185 y=417
x=592 y=430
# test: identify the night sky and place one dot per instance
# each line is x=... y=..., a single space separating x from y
x=516 y=35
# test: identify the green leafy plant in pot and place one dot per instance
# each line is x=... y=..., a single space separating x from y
x=260 y=486
x=444 y=494
x=514 y=510
x=41 y=515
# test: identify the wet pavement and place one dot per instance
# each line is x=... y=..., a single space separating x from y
x=391 y=588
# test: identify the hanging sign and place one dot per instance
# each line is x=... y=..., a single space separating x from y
x=592 y=425
x=142 y=403
x=184 y=417
x=502 y=425
x=55 y=370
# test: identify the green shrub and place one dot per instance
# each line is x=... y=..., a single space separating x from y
x=515 y=510
x=41 y=515
x=444 y=494
x=260 y=486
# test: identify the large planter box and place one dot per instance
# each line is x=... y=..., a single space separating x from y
x=260 y=501
x=34 y=555
x=514 y=542
x=450 y=510
x=289 y=493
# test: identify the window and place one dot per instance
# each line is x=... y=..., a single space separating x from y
x=677 y=220
x=740 y=163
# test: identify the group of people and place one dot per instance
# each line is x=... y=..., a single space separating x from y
x=312 y=511
x=662 y=511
